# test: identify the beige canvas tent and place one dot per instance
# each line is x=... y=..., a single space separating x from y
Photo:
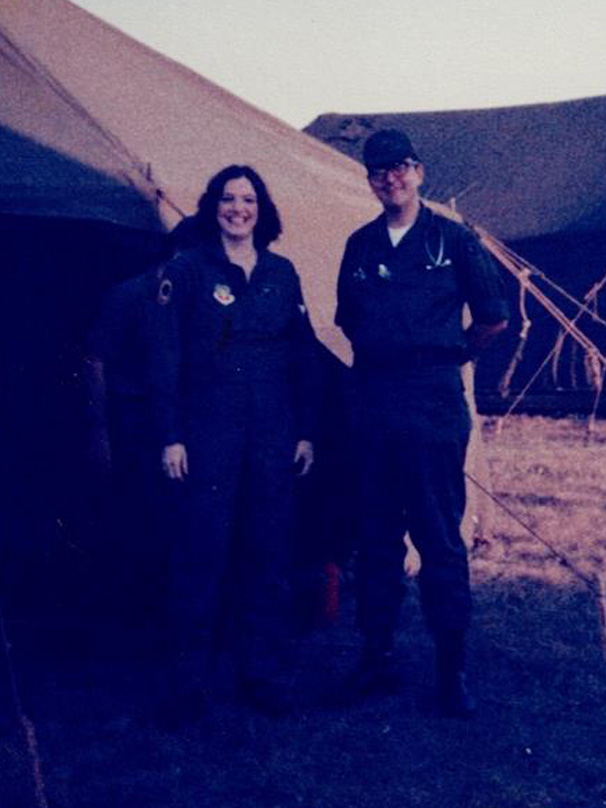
x=163 y=129
x=56 y=160
x=97 y=126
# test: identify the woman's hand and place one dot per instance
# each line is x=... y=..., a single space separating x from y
x=174 y=461
x=304 y=453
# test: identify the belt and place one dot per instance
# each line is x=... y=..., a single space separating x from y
x=409 y=358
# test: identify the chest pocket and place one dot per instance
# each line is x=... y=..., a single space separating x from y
x=217 y=312
x=269 y=310
x=439 y=281
x=367 y=287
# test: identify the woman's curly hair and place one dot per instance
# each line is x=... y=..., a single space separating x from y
x=204 y=225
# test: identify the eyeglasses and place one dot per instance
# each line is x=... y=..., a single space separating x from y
x=379 y=175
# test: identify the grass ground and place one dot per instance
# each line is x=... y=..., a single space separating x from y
x=537 y=662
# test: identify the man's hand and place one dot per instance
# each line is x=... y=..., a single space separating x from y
x=174 y=461
x=304 y=453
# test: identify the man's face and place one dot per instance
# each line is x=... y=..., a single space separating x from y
x=397 y=186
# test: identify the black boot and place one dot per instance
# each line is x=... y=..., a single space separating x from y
x=185 y=696
x=455 y=699
x=182 y=709
x=270 y=698
x=264 y=678
x=374 y=675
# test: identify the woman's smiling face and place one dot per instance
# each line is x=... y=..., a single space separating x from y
x=238 y=210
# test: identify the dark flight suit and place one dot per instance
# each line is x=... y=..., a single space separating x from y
x=233 y=368
x=401 y=308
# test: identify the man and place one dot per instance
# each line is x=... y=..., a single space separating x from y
x=404 y=280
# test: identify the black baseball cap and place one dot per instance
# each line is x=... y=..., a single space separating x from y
x=387 y=147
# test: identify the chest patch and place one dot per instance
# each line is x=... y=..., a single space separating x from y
x=223 y=294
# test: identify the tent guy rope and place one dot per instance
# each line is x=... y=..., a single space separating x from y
x=524 y=272
x=557 y=554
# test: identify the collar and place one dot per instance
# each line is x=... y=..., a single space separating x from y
x=419 y=227
x=213 y=253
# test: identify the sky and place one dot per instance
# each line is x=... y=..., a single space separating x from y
x=299 y=58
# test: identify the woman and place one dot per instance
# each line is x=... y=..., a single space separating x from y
x=233 y=369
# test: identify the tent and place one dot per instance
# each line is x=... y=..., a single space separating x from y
x=520 y=172
x=168 y=130
x=103 y=144
x=533 y=176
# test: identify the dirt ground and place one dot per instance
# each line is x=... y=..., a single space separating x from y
x=537 y=662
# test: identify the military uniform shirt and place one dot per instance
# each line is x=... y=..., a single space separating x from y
x=395 y=303
x=216 y=328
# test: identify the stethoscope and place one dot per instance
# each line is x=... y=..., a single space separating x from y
x=436 y=261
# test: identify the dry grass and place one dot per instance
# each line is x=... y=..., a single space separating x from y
x=552 y=475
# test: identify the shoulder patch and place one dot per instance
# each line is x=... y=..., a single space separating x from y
x=165 y=292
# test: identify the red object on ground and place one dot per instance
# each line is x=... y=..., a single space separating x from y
x=332 y=584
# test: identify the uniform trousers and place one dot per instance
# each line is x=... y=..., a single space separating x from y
x=233 y=557
x=410 y=437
